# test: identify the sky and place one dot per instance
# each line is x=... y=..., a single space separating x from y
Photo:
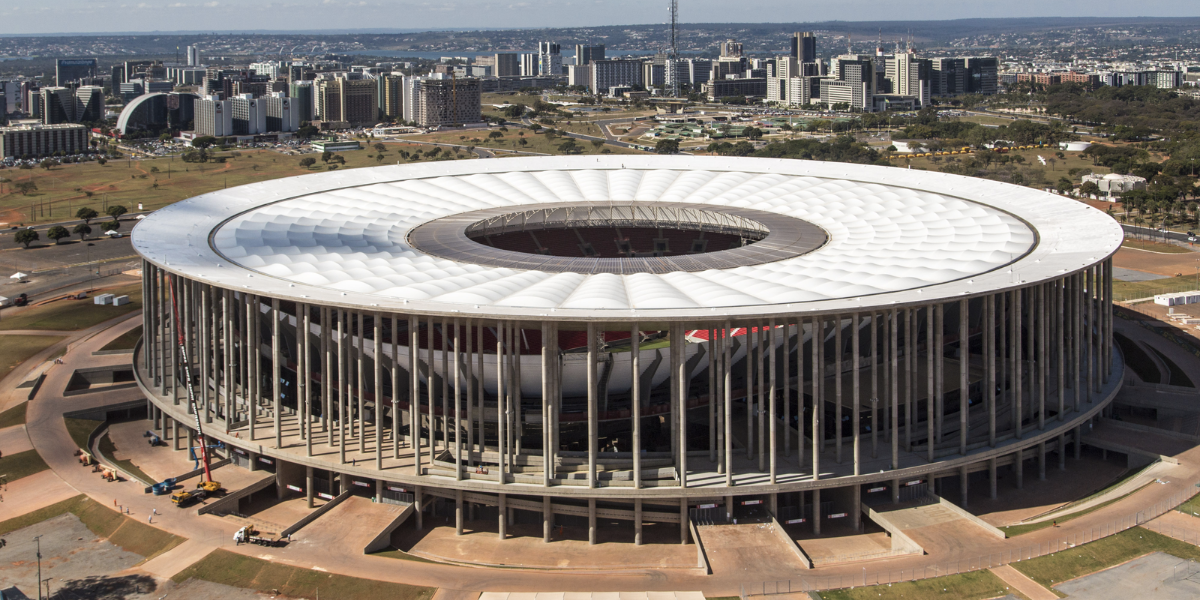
x=65 y=16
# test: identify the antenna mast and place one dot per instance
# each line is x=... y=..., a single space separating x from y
x=674 y=67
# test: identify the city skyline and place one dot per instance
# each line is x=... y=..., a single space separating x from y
x=79 y=17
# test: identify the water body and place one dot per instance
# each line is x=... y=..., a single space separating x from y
x=436 y=55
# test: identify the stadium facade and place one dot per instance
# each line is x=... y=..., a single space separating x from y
x=651 y=340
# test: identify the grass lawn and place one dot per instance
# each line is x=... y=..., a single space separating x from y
x=535 y=142
x=131 y=535
x=126 y=341
x=1132 y=290
x=1191 y=507
x=1060 y=168
x=229 y=568
x=21 y=464
x=1102 y=554
x=108 y=450
x=13 y=416
x=1150 y=246
x=1015 y=530
x=80 y=429
x=73 y=315
x=16 y=349
x=975 y=585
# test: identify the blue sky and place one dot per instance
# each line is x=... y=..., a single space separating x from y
x=173 y=15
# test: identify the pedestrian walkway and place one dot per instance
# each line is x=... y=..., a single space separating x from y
x=1032 y=589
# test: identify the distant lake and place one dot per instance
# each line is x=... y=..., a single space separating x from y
x=566 y=51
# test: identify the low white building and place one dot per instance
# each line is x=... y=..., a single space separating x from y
x=1114 y=184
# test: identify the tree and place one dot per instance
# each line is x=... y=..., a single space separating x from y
x=1089 y=188
x=113 y=225
x=753 y=133
x=495 y=135
x=102 y=161
x=27 y=237
x=115 y=211
x=325 y=156
x=57 y=233
x=86 y=214
x=48 y=164
x=204 y=141
x=515 y=111
x=380 y=147
x=82 y=230
x=307 y=162
x=666 y=146
x=26 y=187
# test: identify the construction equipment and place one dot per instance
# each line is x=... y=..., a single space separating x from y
x=161 y=488
x=186 y=498
x=207 y=484
x=250 y=535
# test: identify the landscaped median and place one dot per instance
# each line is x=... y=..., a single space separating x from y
x=131 y=535
x=231 y=568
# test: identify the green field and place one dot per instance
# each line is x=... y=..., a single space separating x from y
x=229 y=568
x=80 y=429
x=125 y=341
x=73 y=315
x=21 y=464
x=1133 y=290
x=16 y=349
x=131 y=535
x=62 y=190
x=975 y=585
x=1191 y=507
x=1102 y=554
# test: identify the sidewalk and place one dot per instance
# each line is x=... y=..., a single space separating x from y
x=1023 y=584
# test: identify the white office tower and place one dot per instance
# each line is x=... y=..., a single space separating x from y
x=193 y=56
x=214 y=116
x=549 y=59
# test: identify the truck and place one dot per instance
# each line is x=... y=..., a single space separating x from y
x=250 y=535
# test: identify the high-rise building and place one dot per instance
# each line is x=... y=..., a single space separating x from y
x=608 y=74
x=268 y=68
x=193 y=56
x=74 y=70
x=983 y=75
x=303 y=98
x=852 y=82
x=529 y=65
x=34 y=141
x=731 y=50
x=579 y=75
x=84 y=104
x=3 y=109
x=909 y=76
x=448 y=102
x=586 y=54
x=214 y=116
x=249 y=115
x=804 y=47
x=653 y=75
x=949 y=77
x=281 y=113
x=350 y=101
x=390 y=90
x=507 y=65
x=549 y=59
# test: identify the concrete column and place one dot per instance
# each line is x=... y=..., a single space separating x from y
x=992 y=478
x=430 y=387
x=855 y=395
x=875 y=395
x=175 y=434
x=1078 y=441
x=377 y=362
x=837 y=388
x=773 y=382
x=419 y=509
x=964 y=366
x=635 y=400
x=501 y=521
x=678 y=373
x=308 y=485
x=1043 y=362
x=1060 y=343
x=816 y=511
x=341 y=387
x=751 y=339
x=547 y=519
x=728 y=508
x=637 y=521
x=1019 y=467
x=305 y=379
x=276 y=339
x=683 y=521
x=456 y=421
x=591 y=521
x=964 y=478
x=726 y=405
x=1017 y=383
x=910 y=371
x=856 y=507
x=787 y=386
x=547 y=444
x=760 y=400
x=894 y=363
x=395 y=372
x=501 y=374
x=458 y=512
x=939 y=360
x=446 y=378
x=378 y=490
x=593 y=424
x=1062 y=452
x=1042 y=461
x=548 y=357
x=414 y=391
x=989 y=353
x=817 y=375
x=896 y=491
x=191 y=441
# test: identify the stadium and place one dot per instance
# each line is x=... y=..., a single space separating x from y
x=648 y=341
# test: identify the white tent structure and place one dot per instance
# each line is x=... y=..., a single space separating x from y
x=19 y=276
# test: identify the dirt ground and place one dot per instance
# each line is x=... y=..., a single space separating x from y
x=1167 y=265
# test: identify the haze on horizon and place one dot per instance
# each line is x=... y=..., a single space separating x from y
x=88 y=16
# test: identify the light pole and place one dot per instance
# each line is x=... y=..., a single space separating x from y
x=38 y=539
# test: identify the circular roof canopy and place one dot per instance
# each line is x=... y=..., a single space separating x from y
x=894 y=236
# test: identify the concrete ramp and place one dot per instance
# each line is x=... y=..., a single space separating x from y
x=229 y=502
x=350 y=526
x=384 y=540
x=754 y=552
x=935 y=528
x=1142 y=444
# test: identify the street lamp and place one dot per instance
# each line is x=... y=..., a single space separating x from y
x=38 y=539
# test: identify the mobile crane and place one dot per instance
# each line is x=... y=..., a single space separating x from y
x=206 y=487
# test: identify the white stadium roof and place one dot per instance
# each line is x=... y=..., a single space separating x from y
x=895 y=236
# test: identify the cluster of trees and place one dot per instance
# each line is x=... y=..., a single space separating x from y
x=86 y=214
x=843 y=148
